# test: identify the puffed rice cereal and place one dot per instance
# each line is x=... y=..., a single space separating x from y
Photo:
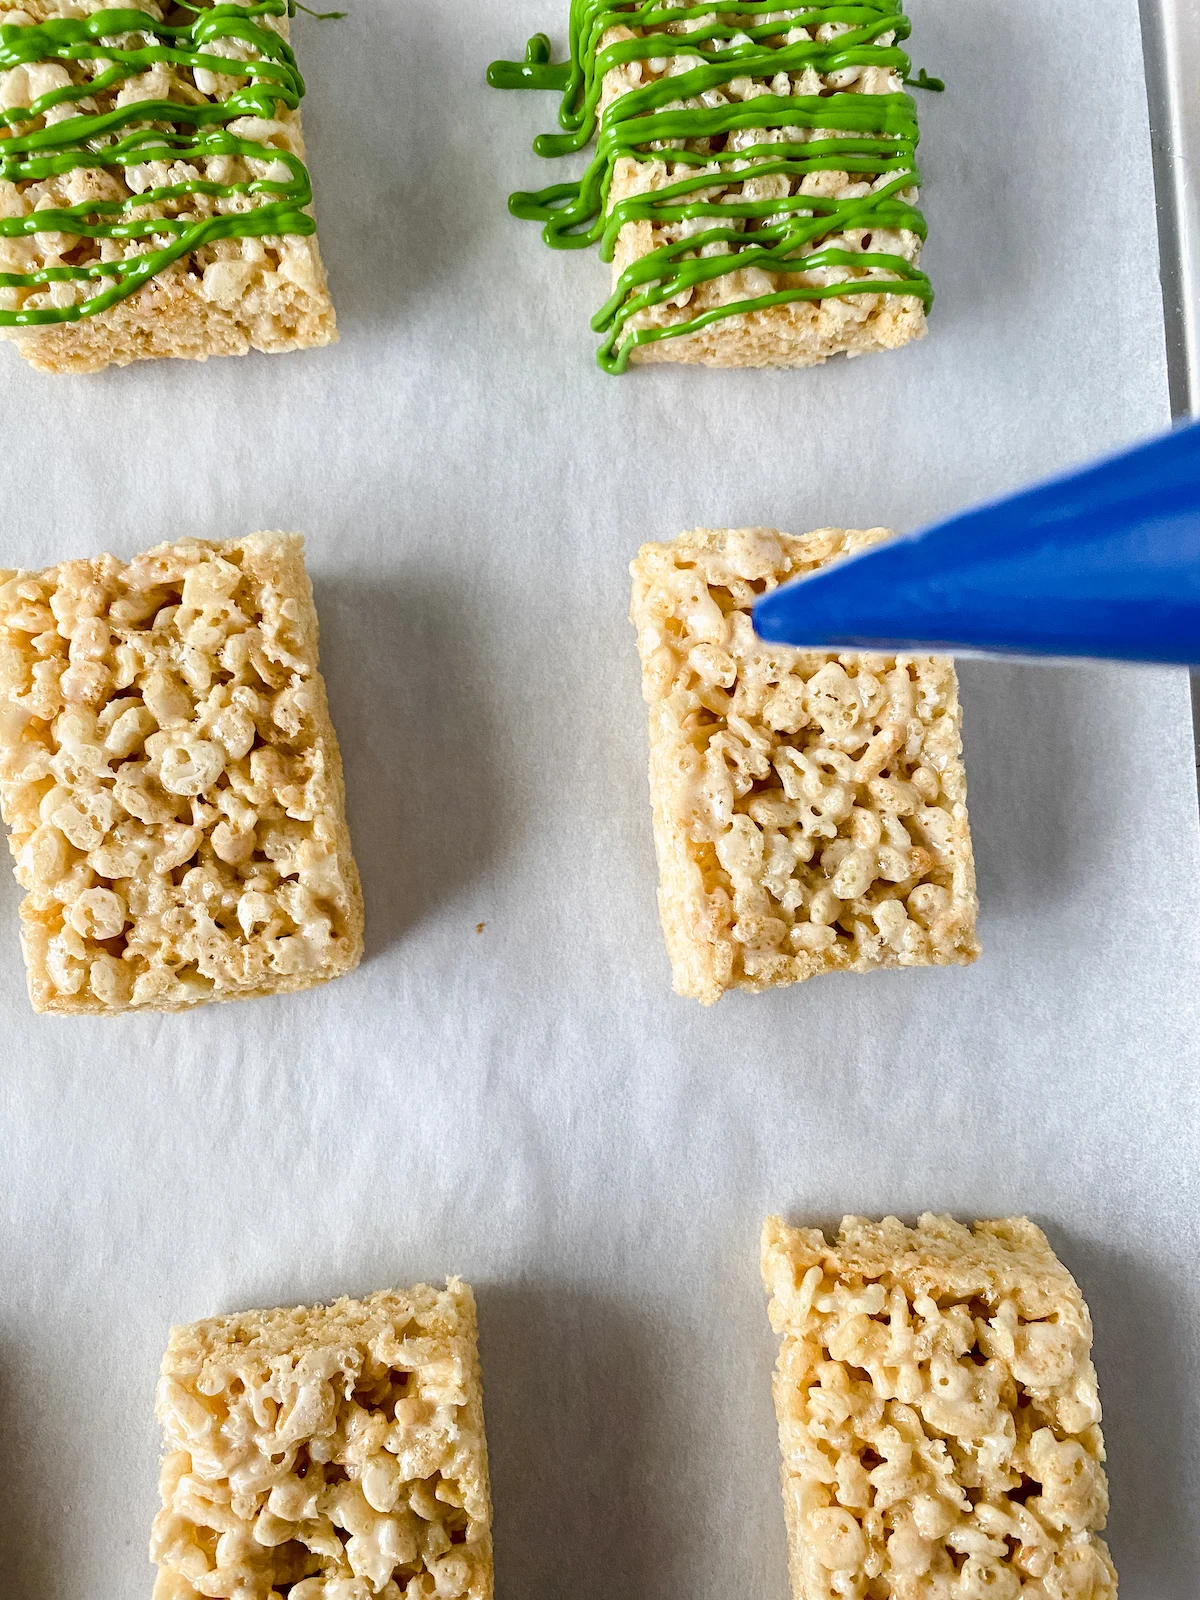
x=331 y=1453
x=802 y=333
x=938 y=1414
x=225 y=296
x=809 y=809
x=171 y=779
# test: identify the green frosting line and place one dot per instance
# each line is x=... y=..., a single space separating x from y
x=874 y=135
x=149 y=130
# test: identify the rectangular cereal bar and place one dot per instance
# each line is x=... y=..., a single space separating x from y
x=171 y=779
x=154 y=199
x=331 y=1453
x=938 y=1413
x=809 y=810
x=754 y=183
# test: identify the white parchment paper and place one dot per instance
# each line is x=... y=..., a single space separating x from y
x=530 y=1106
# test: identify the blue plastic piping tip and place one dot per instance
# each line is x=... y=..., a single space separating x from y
x=1103 y=564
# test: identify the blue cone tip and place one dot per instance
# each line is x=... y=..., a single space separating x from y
x=1103 y=563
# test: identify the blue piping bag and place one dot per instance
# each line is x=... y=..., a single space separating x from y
x=1103 y=564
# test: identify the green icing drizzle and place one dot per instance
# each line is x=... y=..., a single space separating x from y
x=871 y=135
x=149 y=130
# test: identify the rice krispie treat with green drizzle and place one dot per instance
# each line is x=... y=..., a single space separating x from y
x=154 y=199
x=754 y=179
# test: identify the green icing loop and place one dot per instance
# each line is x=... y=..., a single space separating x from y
x=873 y=135
x=149 y=130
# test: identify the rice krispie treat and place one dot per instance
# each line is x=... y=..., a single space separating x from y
x=754 y=182
x=171 y=779
x=809 y=810
x=938 y=1413
x=332 y=1453
x=153 y=195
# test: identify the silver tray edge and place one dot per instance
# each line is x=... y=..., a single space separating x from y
x=1171 y=42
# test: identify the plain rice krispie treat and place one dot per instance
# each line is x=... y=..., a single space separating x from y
x=754 y=184
x=332 y=1453
x=938 y=1414
x=171 y=779
x=173 y=207
x=809 y=810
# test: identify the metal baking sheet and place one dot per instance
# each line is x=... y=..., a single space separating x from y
x=1171 y=36
x=1171 y=39
x=530 y=1105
